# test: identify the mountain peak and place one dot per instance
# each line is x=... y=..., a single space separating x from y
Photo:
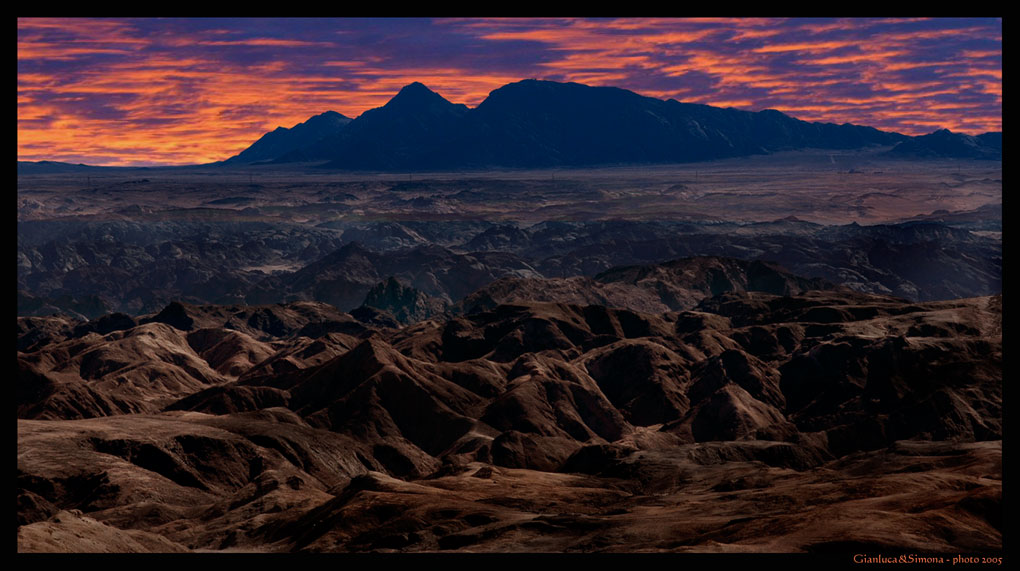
x=326 y=120
x=413 y=100
x=416 y=92
x=415 y=87
x=327 y=116
x=416 y=98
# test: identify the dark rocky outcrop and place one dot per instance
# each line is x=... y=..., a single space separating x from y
x=405 y=304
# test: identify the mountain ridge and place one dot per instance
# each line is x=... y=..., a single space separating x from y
x=540 y=123
x=283 y=140
x=944 y=143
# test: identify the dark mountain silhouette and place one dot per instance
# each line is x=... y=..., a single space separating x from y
x=53 y=167
x=993 y=139
x=946 y=144
x=408 y=132
x=535 y=123
x=282 y=140
x=544 y=123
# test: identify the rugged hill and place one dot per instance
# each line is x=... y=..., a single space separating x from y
x=530 y=426
x=345 y=277
x=676 y=285
x=116 y=364
x=88 y=268
x=406 y=304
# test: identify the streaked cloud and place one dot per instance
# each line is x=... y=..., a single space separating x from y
x=184 y=91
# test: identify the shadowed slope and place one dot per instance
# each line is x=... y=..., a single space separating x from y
x=545 y=426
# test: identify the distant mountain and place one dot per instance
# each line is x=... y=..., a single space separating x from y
x=544 y=123
x=946 y=144
x=993 y=140
x=535 y=123
x=53 y=167
x=282 y=140
x=410 y=131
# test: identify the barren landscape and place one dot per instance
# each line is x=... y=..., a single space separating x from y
x=99 y=241
x=737 y=356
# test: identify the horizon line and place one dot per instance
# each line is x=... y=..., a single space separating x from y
x=213 y=163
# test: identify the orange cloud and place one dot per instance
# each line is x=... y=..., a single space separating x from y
x=858 y=58
x=805 y=47
x=588 y=61
x=135 y=91
x=738 y=103
x=271 y=42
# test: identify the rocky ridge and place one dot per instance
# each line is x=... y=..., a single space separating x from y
x=354 y=437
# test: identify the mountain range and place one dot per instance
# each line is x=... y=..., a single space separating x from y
x=281 y=141
x=945 y=143
x=536 y=123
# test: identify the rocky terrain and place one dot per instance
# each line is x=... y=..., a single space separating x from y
x=747 y=421
x=795 y=353
x=92 y=268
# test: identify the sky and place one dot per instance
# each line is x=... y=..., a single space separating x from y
x=154 y=91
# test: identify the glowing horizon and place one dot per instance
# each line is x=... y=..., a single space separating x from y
x=177 y=91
